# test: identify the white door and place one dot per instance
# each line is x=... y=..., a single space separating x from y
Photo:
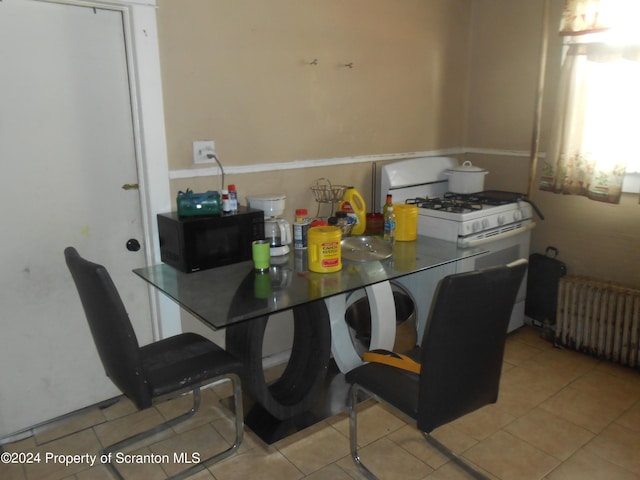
x=66 y=149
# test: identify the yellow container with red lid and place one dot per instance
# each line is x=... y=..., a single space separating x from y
x=324 y=250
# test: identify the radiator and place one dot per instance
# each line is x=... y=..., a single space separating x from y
x=599 y=318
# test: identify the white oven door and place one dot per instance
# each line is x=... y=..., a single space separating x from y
x=503 y=250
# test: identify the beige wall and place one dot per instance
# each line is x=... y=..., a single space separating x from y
x=593 y=238
x=427 y=75
x=237 y=72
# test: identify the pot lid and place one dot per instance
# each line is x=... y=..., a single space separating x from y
x=268 y=197
x=467 y=166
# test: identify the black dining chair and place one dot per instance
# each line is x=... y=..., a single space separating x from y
x=160 y=370
x=460 y=358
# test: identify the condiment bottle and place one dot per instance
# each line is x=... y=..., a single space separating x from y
x=390 y=225
x=226 y=204
x=233 y=198
x=386 y=204
x=301 y=228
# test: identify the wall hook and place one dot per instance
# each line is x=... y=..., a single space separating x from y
x=348 y=65
x=314 y=62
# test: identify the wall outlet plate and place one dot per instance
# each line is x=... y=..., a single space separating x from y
x=201 y=150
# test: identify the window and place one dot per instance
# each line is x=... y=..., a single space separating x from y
x=595 y=144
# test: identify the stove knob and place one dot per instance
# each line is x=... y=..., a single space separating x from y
x=485 y=223
x=517 y=215
x=476 y=226
x=501 y=220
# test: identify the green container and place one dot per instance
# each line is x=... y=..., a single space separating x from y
x=191 y=204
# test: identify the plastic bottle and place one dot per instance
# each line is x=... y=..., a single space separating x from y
x=226 y=204
x=390 y=225
x=301 y=229
x=354 y=205
x=233 y=198
x=325 y=254
x=386 y=204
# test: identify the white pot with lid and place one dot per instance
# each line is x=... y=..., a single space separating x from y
x=466 y=178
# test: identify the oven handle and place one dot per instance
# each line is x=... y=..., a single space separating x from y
x=475 y=243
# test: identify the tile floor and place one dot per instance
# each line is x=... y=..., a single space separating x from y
x=561 y=416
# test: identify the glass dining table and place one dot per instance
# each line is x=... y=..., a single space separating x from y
x=240 y=300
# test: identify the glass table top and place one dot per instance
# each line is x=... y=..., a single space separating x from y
x=234 y=293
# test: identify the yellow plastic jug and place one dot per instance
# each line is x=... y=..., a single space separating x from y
x=324 y=250
x=406 y=222
x=353 y=204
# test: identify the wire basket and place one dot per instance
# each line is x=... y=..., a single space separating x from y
x=325 y=192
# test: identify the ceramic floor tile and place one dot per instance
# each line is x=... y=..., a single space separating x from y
x=584 y=465
x=70 y=424
x=565 y=362
x=508 y=457
x=116 y=430
x=56 y=458
x=140 y=463
x=316 y=450
x=387 y=460
x=256 y=464
x=483 y=422
x=189 y=448
x=550 y=433
x=618 y=445
x=535 y=375
x=210 y=410
x=412 y=440
x=330 y=472
x=631 y=418
x=530 y=336
x=374 y=422
x=582 y=409
x=553 y=405
x=517 y=398
x=12 y=471
x=517 y=352
x=121 y=406
x=452 y=471
x=615 y=391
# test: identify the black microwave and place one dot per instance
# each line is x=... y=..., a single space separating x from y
x=201 y=242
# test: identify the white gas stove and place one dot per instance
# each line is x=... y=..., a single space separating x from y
x=469 y=219
x=499 y=221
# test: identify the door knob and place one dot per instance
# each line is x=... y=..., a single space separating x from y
x=133 y=245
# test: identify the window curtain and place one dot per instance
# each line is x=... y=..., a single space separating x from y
x=596 y=126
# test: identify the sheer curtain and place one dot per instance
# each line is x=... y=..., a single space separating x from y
x=596 y=131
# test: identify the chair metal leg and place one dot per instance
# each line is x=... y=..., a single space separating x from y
x=353 y=439
x=239 y=420
x=353 y=433
x=455 y=458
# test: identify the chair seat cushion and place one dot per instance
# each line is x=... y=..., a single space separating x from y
x=184 y=360
x=396 y=386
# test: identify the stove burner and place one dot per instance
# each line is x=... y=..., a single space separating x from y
x=447 y=204
x=462 y=203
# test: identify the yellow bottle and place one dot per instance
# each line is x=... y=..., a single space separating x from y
x=353 y=204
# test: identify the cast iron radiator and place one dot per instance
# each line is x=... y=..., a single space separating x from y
x=599 y=318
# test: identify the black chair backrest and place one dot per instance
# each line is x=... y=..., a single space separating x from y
x=110 y=326
x=464 y=341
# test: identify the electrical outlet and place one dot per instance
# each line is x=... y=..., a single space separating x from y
x=202 y=148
